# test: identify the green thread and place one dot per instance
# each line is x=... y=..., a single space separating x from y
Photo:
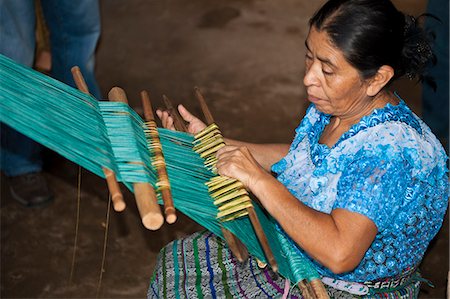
x=224 y=271
x=198 y=270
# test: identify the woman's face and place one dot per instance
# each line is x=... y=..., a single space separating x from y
x=332 y=84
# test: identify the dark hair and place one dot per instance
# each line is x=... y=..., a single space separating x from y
x=372 y=33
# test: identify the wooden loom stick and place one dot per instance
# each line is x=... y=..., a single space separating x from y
x=236 y=246
x=262 y=238
x=306 y=289
x=169 y=208
x=144 y=193
x=251 y=212
x=111 y=180
x=319 y=289
x=178 y=121
x=206 y=112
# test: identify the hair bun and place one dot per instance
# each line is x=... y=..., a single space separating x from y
x=417 y=49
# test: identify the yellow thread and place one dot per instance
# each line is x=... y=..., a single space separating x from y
x=233 y=210
x=206 y=131
x=226 y=189
x=234 y=203
x=229 y=194
x=233 y=195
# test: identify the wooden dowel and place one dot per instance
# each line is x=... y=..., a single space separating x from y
x=304 y=287
x=79 y=80
x=147 y=106
x=117 y=94
x=145 y=195
x=111 y=180
x=114 y=189
x=147 y=205
x=262 y=239
x=311 y=290
x=236 y=246
x=178 y=121
x=169 y=208
x=319 y=289
x=206 y=112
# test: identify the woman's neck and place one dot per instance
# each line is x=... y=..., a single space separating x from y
x=340 y=124
x=377 y=102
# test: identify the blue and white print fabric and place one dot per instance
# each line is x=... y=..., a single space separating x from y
x=388 y=167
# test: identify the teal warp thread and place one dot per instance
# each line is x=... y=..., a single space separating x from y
x=186 y=173
x=301 y=267
x=55 y=115
x=124 y=128
x=110 y=134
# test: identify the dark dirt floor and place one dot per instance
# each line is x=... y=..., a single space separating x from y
x=247 y=57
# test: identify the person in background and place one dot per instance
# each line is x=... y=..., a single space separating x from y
x=74 y=28
x=362 y=189
x=436 y=98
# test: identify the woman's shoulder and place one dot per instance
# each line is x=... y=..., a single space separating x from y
x=394 y=133
x=398 y=125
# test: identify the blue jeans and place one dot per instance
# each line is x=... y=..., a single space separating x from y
x=74 y=28
x=435 y=102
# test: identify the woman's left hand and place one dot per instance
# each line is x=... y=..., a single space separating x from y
x=238 y=163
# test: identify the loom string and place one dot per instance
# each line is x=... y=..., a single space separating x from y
x=105 y=242
x=77 y=222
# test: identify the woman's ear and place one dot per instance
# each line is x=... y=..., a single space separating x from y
x=381 y=78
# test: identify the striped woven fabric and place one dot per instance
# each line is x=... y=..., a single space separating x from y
x=201 y=266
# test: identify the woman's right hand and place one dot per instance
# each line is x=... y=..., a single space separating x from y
x=194 y=126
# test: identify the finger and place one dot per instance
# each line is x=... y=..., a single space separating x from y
x=185 y=114
x=170 y=124
x=226 y=148
x=222 y=161
x=228 y=151
x=164 y=116
x=223 y=172
x=167 y=120
x=230 y=167
x=223 y=167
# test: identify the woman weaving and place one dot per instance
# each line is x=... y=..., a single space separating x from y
x=363 y=187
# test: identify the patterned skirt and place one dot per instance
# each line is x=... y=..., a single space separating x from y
x=202 y=266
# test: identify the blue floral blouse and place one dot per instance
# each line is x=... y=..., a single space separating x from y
x=388 y=167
